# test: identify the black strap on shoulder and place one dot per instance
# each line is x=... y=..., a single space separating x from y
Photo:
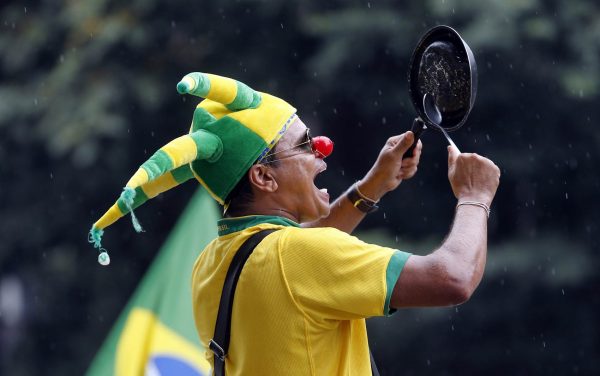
x=220 y=342
x=374 y=369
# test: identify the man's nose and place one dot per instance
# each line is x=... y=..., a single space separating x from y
x=323 y=146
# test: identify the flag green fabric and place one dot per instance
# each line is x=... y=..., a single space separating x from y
x=155 y=334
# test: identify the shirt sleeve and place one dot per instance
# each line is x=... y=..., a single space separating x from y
x=333 y=275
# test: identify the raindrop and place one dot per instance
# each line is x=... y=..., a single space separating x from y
x=487 y=136
x=35 y=101
x=368 y=5
x=428 y=362
x=396 y=239
x=343 y=172
x=384 y=216
x=335 y=110
x=566 y=196
x=62 y=58
x=563 y=291
x=25 y=9
x=173 y=24
x=383 y=120
x=51 y=176
x=452 y=327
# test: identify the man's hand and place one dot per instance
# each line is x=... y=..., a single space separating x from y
x=451 y=273
x=385 y=175
x=390 y=169
x=472 y=176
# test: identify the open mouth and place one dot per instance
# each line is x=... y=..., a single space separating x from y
x=317 y=180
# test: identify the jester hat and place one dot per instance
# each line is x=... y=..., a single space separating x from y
x=232 y=128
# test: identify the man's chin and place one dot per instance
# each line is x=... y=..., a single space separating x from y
x=321 y=212
x=324 y=211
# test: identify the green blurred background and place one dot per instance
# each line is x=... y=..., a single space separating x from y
x=87 y=93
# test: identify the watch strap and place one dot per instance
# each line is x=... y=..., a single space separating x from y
x=359 y=201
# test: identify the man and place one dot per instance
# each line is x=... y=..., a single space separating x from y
x=305 y=291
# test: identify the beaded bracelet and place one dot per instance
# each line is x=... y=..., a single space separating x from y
x=476 y=203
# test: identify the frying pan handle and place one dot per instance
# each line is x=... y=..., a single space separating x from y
x=418 y=126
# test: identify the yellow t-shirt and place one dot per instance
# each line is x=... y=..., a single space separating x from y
x=301 y=299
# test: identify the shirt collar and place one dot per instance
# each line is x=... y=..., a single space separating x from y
x=230 y=225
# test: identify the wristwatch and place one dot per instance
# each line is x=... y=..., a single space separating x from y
x=362 y=203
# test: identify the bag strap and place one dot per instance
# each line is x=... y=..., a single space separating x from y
x=220 y=342
x=374 y=369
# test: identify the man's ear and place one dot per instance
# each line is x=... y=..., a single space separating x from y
x=262 y=178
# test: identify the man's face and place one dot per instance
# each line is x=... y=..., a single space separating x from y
x=295 y=174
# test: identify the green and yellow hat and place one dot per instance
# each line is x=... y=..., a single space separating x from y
x=231 y=129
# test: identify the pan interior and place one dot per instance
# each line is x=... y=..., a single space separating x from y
x=444 y=74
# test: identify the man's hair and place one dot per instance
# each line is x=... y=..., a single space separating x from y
x=240 y=198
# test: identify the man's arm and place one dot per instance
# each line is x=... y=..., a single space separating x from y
x=386 y=175
x=449 y=275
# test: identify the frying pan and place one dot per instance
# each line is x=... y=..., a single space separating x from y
x=442 y=82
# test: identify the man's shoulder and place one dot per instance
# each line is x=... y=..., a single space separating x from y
x=319 y=236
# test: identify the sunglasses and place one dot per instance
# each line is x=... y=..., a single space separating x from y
x=306 y=146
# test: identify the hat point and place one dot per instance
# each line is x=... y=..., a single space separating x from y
x=187 y=84
x=183 y=87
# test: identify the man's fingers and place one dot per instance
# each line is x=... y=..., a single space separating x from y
x=405 y=142
x=452 y=154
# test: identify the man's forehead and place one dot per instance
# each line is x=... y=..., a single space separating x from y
x=294 y=134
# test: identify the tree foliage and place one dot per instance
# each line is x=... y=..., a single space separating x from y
x=87 y=93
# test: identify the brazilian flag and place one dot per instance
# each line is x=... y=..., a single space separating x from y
x=155 y=335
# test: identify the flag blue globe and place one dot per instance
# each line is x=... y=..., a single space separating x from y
x=169 y=365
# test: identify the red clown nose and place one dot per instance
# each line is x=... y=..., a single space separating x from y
x=323 y=146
